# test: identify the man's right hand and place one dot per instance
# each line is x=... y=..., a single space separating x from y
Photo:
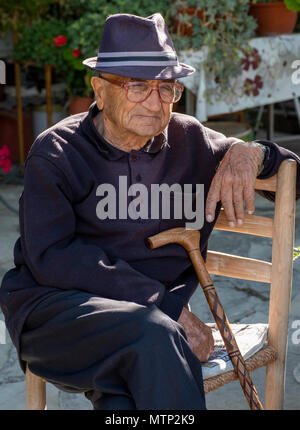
x=198 y=334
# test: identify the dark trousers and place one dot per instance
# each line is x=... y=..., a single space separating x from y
x=120 y=354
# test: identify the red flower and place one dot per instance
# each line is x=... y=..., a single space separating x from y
x=60 y=40
x=258 y=81
x=5 y=161
x=76 y=52
x=252 y=87
x=251 y=60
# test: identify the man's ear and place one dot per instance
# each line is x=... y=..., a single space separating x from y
x=98 y=86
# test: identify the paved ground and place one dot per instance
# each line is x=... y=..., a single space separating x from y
x=249 y=305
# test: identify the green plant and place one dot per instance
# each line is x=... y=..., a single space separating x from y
x=76 y=76
x=84 y=33
x=69 y=31
x=46 y=41
x=293 y=5
x=15 y=15
x=225 y=27
x=37 y=45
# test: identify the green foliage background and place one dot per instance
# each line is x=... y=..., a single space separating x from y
x=38 y=22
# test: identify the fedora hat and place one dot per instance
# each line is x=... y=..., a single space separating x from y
x=138 y=48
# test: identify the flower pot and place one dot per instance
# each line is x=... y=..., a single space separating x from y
x=9 y=132
x=273 y=18
x=80 y=104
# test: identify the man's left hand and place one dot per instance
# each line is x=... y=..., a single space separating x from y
x=233 y=183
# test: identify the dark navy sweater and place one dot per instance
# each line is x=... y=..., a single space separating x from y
x=64 y=245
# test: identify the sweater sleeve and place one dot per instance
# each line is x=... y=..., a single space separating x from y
x=57 y=257
x=274 y=156
x=219 y=143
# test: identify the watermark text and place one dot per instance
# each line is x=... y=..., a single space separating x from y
x=296 y=334
x=161 y=201
x=2 y=72
x=2 y=333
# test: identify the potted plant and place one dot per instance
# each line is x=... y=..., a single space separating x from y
x=41 y=42
x=37 y=48
x=14 y=17
x=82 y=38
x=82 y=41
x=275 y=18
x=224 y=27
x=77 y=77
x=37 y=45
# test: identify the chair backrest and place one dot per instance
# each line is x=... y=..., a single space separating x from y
x=278 y=272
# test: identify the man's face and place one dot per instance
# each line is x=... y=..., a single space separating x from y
x=145 y=119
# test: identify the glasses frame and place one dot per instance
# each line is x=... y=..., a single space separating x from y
x=126 y=86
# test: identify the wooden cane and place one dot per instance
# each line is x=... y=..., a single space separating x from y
x=190 y=240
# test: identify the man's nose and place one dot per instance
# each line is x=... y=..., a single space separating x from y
x=153 y=101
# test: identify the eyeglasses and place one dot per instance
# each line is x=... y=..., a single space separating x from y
x=139 y=91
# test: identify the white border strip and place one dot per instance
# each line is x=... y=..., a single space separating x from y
x=136 y=63
x=137 y=54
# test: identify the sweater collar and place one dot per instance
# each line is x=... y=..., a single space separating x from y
x=153 y=146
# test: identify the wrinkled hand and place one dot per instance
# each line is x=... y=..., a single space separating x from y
x=234 y=182
x=198 y=334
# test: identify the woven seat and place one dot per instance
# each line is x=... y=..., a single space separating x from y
x=261 y=358
x=278 y=273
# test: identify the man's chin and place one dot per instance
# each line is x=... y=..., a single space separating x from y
x=147 y=131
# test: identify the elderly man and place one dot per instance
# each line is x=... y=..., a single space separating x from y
x=88 y=305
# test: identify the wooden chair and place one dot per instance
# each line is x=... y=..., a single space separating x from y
x=278 y=273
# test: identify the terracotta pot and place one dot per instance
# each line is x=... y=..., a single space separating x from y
x=80 y=104
x=273 y=18
x=9 y=132
x=183 y=29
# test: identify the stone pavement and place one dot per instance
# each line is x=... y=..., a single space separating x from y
x=248 y=304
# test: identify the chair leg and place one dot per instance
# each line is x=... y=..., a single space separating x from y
x=281 y=288
x=35 y=392
x=275 y=385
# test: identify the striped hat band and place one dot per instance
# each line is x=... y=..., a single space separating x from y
x=152 y=58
